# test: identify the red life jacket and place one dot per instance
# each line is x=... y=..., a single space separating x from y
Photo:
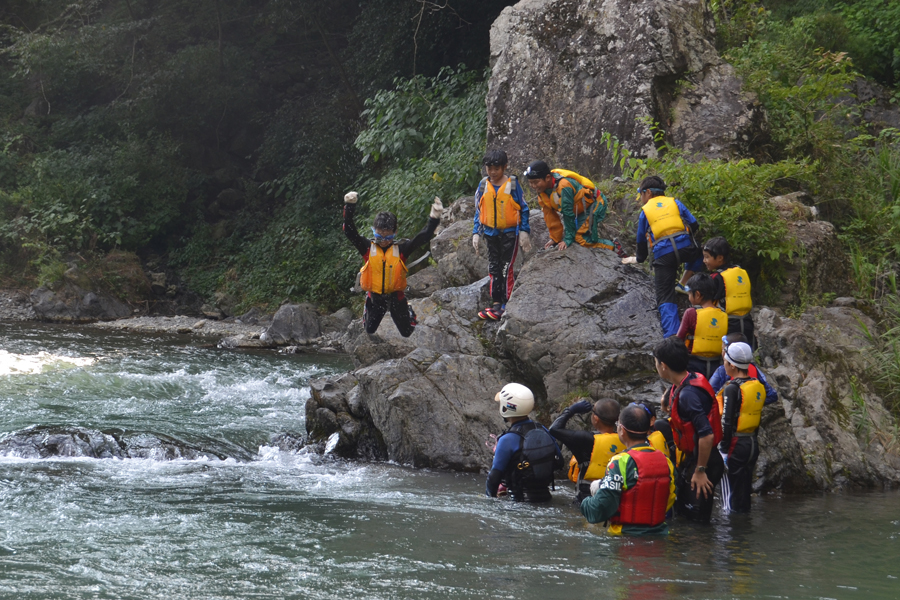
x=683 y=431
x=646 y=502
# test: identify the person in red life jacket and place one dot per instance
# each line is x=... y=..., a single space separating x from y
x=571 y=205
x=720 y=377
x=743 y=400
x=732 y=287
x=526 y=455
x=639 y=486
x=696 y=428
x=501 y=218
x=383 y=276
x=591 y=451
x=703 y=326
x=667 y=225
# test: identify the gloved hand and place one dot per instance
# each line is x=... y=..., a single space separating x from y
x=581 y=407
x=476 y=239
x=437 y=209
x=629 y=260
x=525 y=241
x=595 y=485
x=351 y=197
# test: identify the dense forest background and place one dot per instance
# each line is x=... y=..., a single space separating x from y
x=216 y=138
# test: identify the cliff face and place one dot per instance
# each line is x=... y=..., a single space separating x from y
x=563 y=72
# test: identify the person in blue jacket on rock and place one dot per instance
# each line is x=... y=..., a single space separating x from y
x=670 y=227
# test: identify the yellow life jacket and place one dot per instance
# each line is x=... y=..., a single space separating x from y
x=384 y=271
x=585 y=192
x=658 y=441
x=753 y=396
x=737 y=291
x=606 y=445
x=663 y=217
x=712 y=324
x=498 y=209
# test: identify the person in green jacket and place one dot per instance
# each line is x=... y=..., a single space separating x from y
x=639 y=487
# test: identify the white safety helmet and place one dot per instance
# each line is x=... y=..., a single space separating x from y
x=515 y=400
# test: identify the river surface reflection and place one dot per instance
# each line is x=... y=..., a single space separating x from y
x=286 y=524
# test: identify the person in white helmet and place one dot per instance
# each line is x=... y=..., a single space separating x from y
x=526 y=455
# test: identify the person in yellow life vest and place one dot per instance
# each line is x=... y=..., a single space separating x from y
x=571 y=206
x=501 y=218
x=638 y=488
x=732 y=287
x=743 y=397
x=383 y=276
x=661 y=437
x=703 y=326
x=667 y=227
x=590 y=451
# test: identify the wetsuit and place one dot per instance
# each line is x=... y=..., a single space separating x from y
x=377 y=305
x=741 y=450
x=502 y=244
x=581 y=444
x=604 y=505
x=502 y=469
x=666 y=262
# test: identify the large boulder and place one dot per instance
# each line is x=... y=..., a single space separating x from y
x=566 y=71
x=293 y=324
x=68 y=302
x=427 y=410
x=580 y=321
x=831 y=429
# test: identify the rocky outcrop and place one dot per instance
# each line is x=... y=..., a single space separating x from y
x=68 y=302
x=566 y=71
x=830 y=429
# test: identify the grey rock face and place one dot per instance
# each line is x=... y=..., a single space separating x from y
x=73 y=304
x=565 y=71
x=830 y=430
x=293 y=323
x=579 y=319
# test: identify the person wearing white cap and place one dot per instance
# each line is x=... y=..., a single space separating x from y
x=743 y=399
x=526 y=455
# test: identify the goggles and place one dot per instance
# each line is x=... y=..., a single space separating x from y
x=383 y=238
x=725 y=342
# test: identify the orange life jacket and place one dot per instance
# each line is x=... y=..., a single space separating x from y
x=646 y=502
x=497 y=208
x=384 y=271
x=683 y=431
x=584 y=195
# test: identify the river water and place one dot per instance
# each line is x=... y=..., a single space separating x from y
x=273 y=523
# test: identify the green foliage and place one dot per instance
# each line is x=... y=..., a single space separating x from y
x=884 y=354
x=427 y=136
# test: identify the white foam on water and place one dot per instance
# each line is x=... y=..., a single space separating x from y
x=29 y=364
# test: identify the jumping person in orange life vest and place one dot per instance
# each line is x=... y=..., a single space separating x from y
x=743 y=399
x=501 y=217
x=383 y=276
x=703 y=326
x=696 y=428
x=571 y=205
x=590 y=451
x=732 y=287
x=639 y=486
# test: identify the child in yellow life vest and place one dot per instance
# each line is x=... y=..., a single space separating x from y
x=666 y=227
x=501 y=217
x=743 y=397
x=732 y=287
x=703 y=326
x=591 y=451
x=571 y=206
x=383 y=276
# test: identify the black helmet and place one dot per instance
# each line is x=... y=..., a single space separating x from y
x=537 y=170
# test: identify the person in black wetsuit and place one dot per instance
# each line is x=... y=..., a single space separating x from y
x=383 y=276
x=591 y=451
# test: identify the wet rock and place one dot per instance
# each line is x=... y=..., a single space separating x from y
x=828 y=414
x=336 y=322
x=564 y=72
x=293 y=323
